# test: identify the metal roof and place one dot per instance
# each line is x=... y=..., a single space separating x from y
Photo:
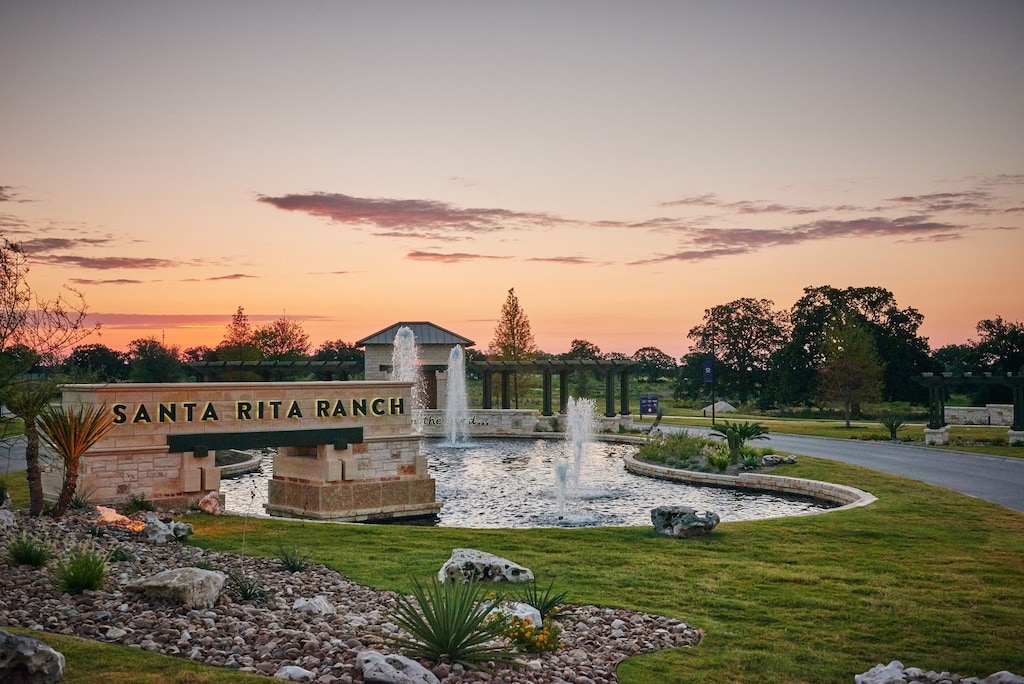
x=424 y=332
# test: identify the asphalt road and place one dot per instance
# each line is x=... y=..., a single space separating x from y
x=993 y=478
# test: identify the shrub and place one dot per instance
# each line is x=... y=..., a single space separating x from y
x=80 y=500
x=3 y=491
x=291 y=558
x=84 y=568
x=546 y=601
x=751 y=460
x=676 y=449
x=527 y=637
x=138 y=502
x=718 y=457
x=449 y=622
x=24 y=549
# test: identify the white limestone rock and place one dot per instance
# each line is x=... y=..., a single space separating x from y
x=470 y=565
x=382 y=668
x=192 y=587
x=318 y=605
x=160 y=532
x=24 y=659
x=523 y=611
x=882 y=674
x=294 y=673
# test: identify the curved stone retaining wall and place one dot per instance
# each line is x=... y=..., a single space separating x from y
x=846 y=497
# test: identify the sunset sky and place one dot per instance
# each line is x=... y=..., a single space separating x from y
x=623 y=165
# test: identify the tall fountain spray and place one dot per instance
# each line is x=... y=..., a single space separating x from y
x=582 y=425
x=405 y=364
x=456 y=412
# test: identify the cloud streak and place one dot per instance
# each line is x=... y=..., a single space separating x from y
x=409 y=217
x=451 y=258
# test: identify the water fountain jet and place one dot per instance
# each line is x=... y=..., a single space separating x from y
x=456 y=412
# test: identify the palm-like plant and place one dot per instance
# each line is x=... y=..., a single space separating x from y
x=450 y=622
x=71 y=432
x=738 y=434
x=893 y=424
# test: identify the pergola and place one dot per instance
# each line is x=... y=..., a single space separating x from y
x=937 y=384
x=213 y=371
x=547 y=368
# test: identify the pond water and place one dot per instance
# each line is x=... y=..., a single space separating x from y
x=494 y=483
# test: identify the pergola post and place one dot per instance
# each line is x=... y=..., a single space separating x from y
x=546 y=411
x=624 y=393
x=487 y=375
x=506 y=401
x=609 y=394
x=563 y=391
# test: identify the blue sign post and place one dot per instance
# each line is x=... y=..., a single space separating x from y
x=648 y=405
x=709 y=379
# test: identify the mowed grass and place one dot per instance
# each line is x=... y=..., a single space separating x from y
x=962 y=437
x=924 y=575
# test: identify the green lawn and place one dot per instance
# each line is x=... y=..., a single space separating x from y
x=923 y=575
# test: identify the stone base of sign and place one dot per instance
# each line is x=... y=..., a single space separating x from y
x=1014 y=436
x=936 y=437
x=375 y=480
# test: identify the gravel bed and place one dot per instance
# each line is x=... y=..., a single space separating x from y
x=263 y=637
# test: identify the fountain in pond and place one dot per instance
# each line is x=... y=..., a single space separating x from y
x=405 y=364
x=456 y=412
x=580 y=433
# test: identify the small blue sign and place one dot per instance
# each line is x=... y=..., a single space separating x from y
x=648 y=405
x=709 y=374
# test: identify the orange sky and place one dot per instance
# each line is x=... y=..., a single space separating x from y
x=623 y=167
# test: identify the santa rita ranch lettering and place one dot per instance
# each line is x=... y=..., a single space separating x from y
x=190 y=411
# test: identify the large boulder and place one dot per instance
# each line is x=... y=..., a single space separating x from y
x=388 y=668
x=470 y=565
x=192 y=587
x=24 y=660
x=683 y=522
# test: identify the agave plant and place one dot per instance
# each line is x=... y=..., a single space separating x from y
x=450 y=622
x=893 y=424
x=71 y=432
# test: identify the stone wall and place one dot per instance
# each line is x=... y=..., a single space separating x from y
x=990 y=414
x=509 y=422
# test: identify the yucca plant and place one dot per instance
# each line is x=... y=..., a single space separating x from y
x=893 y=424
x=450 y=622
x=83 y=568
x=71 y=432
x=291 y=558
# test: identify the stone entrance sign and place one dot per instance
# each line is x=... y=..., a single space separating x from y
x=345 y=450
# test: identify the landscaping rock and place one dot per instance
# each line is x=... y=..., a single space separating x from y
x=775 y=459
x=24 y=660
x=210 y=504
x=161 y=532
x=683 y=522
x=393 y=669
x=192 y=587
x=523 y=611
x=294 y=673
x=895 y=673
x=318 y=605
x=470 y=565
